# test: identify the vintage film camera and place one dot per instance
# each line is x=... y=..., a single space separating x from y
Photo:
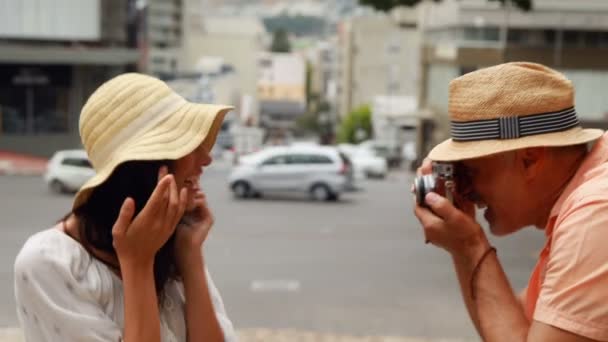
x=441 y=181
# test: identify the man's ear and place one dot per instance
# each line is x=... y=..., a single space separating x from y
x=532 y=160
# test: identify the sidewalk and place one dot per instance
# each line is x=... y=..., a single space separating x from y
x=267 y=335
x=21 y=164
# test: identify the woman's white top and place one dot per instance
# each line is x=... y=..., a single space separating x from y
x=64 y=294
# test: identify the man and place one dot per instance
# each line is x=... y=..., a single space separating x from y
x=517 y=139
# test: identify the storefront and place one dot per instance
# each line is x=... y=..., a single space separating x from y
x=34 y=99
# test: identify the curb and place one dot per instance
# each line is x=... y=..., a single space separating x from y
x=271 y=335
x=20 y=164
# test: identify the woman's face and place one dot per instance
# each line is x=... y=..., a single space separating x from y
x=189 y=169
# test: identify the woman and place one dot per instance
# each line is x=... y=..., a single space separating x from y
x=127 y=263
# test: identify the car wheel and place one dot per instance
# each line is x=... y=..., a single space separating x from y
x=241 y=189
x=320 y=192
x=57 y=187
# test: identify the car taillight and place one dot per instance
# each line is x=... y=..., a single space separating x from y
x=343 y=169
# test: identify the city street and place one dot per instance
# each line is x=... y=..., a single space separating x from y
x=356 y=267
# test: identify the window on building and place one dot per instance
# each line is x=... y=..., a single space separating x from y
x=592 y=39
x=481 y=33
x=572 y=38
x=467 y=69
x=604 y=39
x=393 y=87
x=34 y=100
x=265 y=63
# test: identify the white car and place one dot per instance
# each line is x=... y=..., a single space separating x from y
x=366 y=160
x=68 y=170
x=320 y=171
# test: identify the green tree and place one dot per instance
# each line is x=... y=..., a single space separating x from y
x=386 y=5
x=280 y=41
x=357 y=126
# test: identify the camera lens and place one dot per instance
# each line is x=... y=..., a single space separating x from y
x=422 y=186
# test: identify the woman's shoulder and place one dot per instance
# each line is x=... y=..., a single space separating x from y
x=52 y=250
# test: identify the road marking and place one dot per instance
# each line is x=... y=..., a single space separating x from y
x=275 y=285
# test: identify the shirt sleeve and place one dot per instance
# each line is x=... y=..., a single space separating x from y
x=53 y=305
x=573 y=295
x=220 y=310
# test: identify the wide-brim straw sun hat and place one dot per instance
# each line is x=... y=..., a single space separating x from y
x=138 y=117
x=508 y=107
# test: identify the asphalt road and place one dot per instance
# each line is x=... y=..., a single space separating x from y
x=358 y=266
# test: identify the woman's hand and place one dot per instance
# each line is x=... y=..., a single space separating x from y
x=192 y=231
x=136 y=241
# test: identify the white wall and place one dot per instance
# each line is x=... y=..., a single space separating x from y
x=50 y=19
x=590 y=92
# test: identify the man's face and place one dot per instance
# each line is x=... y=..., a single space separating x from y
x=499 y=186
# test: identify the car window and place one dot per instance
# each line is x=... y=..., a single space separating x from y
x=78 y=162
x=277 y=160
x=319 y=159
x=308 y=159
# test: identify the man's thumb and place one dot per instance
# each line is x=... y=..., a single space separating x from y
x=439 y=205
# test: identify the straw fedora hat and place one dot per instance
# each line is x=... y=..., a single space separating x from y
x=508 y=107
x=138 y=117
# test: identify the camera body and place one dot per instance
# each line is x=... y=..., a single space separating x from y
x=441 y=181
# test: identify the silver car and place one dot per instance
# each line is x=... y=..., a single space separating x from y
x=320 y=171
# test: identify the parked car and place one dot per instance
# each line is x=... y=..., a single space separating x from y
x=320 y=171
x=68 y=170
x=365 y=160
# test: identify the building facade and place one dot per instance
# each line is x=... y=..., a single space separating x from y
x=50 y=64
x=164 y=25
x=462 y=36
x=281 y=89
x=237 y=41
x=378 y=55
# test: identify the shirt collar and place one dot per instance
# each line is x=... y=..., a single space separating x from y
x=597 y=156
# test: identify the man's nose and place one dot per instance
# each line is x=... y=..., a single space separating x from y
x=206 y=160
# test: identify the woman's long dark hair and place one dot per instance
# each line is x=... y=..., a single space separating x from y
x=96 y=217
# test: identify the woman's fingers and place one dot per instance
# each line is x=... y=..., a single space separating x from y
x=183 y=203
x=157 y=203
x=125 y=216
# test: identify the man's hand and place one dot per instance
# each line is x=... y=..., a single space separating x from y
x=450 y=228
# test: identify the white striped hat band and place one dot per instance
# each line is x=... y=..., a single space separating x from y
x=513 y=127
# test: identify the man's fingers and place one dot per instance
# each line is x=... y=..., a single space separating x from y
x=125 y=216
x=442 y=207
x=430 y=222
x=425 y=168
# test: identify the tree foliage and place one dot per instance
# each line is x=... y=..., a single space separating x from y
x=359 y=120
x=280 y=41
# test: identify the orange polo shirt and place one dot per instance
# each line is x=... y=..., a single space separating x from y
x=569 y=286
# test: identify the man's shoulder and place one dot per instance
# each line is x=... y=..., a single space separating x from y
x=593 y=187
